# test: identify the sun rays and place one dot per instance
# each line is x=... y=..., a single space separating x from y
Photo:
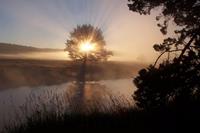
x=87 y=47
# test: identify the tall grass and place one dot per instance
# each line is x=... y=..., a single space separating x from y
x=62 y=113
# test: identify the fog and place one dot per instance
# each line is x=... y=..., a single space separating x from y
x=58 y=55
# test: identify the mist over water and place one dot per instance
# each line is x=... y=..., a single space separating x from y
x=13 y=100
x=57 y=55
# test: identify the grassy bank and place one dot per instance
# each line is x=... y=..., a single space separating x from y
x=131 y=120
x=103 y=118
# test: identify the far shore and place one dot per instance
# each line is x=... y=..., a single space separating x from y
x=16 y=73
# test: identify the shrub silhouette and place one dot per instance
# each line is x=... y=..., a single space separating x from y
x=170 y=84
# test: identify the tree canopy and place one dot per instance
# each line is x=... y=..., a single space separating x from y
x=179 y=77
x=86 y=40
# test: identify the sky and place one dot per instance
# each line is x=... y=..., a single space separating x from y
x=47 y=23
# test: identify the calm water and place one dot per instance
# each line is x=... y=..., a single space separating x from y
x=58 y=96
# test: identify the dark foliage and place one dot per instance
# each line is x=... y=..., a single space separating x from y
x=175 y=82
x=184 y=13
x=171 y=84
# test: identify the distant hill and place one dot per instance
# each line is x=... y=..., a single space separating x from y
x=6 y=48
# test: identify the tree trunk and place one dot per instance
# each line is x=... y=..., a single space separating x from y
x=186 y=47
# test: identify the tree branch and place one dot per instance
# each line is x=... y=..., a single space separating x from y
x=186 y=47
x=163 y=54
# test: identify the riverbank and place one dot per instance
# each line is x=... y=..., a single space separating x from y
x=16 y=73
x=172 y=120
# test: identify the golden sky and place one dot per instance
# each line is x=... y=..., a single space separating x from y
x=47 y=23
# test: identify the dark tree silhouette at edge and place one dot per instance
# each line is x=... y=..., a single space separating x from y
x=176 y=81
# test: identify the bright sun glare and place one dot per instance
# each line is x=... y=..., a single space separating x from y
x=87 y=46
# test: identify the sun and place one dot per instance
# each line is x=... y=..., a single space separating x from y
x=86 y=46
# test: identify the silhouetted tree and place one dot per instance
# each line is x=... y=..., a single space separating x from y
x=169 y=84
x=175 y=80
x=86 y=43
x=87 y=34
